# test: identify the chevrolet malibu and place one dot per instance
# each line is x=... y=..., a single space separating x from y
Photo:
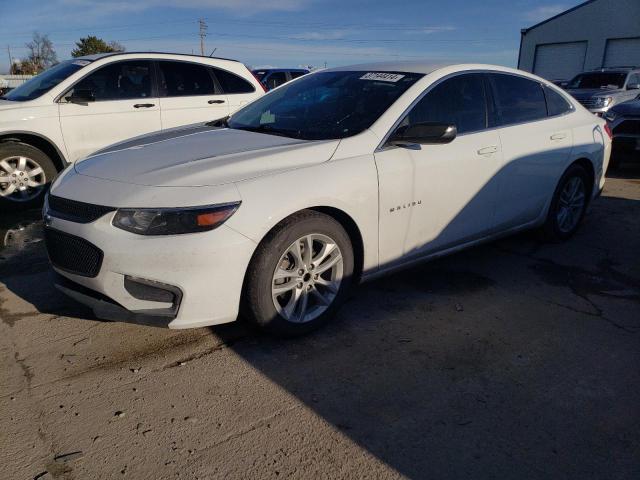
x=340 y=176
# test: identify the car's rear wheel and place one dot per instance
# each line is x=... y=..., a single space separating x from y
x=299 y=275
x=568 y=205
x=25 y=173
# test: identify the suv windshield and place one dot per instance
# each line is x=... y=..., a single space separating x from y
x=598 y=80
x=324 y=105
x=42 y=83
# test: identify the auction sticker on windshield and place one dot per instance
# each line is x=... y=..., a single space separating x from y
x=381 y=76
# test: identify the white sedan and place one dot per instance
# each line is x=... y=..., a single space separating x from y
x=334 y=178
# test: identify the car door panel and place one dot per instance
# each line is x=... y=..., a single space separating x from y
x=189 y=94
x=110 y=118
x=535 y=149
x=433 y=197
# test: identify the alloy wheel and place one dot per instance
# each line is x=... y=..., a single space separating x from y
x=21 y=178
x=307 y=279
x=571 y=204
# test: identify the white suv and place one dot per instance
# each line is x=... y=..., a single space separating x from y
x=87 y=103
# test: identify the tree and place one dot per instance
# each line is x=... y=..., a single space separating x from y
x=41 y=55
x=92 y=45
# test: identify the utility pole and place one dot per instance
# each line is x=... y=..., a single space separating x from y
x=203 y=33
x=10 y=60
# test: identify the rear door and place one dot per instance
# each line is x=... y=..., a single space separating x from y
x=189 y=94
x=238 y=90
x=535 y=147
x=125 y=106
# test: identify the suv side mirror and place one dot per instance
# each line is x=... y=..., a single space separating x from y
x=81 y=97
x=633 y=86
x=426 y=133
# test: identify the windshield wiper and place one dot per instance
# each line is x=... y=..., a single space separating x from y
x=269 y=130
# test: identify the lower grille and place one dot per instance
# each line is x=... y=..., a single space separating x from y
x=73 y=254
x=75 y=211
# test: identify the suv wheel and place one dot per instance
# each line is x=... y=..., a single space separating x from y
x=299 y=275
x=25 y=173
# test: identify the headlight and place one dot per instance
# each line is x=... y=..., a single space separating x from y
x=173 y=221
x=603 y=101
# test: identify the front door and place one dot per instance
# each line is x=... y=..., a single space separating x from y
x=433 y=197
x=124 y=107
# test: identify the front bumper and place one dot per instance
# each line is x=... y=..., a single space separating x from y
x=204 y=270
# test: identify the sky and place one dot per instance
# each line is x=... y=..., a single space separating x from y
x=285 y=33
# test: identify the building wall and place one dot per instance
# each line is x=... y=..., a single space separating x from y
x=594 y=22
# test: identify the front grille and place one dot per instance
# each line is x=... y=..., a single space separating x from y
x=73 y=254
x=74 y=211
x=628 y=126
x=590 y=103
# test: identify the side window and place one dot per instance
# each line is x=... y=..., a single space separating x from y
x=119 y=81
x=296 y=74
x=459 y=101
x=518 y=99
x=276 y=79
x=556 y=104
x=232 y=83
x=182 y=79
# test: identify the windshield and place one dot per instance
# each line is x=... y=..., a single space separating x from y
x=42 y=83
x=324 y=105
x=598 y=80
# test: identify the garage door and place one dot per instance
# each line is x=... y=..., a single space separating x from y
x=622 y=52
x=559 y=61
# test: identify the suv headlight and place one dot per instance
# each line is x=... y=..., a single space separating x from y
x=603 y=101
x=173 y=221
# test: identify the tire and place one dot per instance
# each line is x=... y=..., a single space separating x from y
x=558 y=227
x=276 y=253
x=35 y=160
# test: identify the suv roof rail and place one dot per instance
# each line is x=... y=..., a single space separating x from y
x=617 y=67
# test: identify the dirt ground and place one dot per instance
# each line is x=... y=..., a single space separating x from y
x=512 y=360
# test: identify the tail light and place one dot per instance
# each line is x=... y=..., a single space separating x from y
x=257 y=80
x=607 y=129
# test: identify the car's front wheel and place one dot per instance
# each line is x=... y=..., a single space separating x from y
x=25 y=173
x=299 y=275
x=568 y=205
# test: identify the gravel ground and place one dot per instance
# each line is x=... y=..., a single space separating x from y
x=511 y=360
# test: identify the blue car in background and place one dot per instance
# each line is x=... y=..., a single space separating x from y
x=624 y=121
x=274 y=77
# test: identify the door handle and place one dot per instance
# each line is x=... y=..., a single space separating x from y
x=144 y=105
x=488 y=150
x=558 y=136
x=215 y=101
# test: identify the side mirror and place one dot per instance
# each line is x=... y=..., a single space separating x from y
x=424 y=134
x=633 y=86
x=81 y=97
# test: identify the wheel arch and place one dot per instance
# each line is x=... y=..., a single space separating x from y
x=587 y=165
x=38 y=141
x=344 y=219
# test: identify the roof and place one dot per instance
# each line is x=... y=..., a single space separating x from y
x=98 y=56
x=525 y=30
x=412 y=66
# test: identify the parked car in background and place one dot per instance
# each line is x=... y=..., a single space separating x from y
x=84 y=104
x=599 y=90
x=624 y=121
x=274 y=77
x=298 y=198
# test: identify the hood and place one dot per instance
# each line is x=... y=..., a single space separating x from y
x=631 y=107
x=202 y=156
x=586 y=93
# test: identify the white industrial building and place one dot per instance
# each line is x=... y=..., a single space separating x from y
x=595 y=34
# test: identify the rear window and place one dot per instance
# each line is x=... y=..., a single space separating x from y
x=232 y=83
x=556 y=104
x=518 y=99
